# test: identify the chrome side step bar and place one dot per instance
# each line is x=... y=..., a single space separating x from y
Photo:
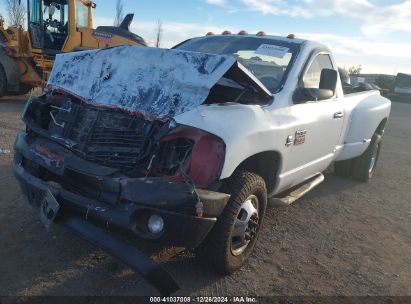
x=300 y=191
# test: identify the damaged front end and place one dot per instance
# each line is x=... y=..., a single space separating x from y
x=102 y=153
x=119 y=172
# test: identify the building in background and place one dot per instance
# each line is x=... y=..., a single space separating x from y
x=368 y=78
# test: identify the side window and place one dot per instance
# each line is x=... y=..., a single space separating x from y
x=311 y=78
x=81 y=14
x=35 y=29
x=35 y=12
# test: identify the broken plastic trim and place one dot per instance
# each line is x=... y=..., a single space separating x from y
x=153 y=272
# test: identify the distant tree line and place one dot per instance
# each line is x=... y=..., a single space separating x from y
x=354 y=70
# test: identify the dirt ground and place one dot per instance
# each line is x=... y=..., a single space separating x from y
x=343 y=238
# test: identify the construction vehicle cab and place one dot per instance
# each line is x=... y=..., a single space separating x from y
x=57 y=26
x=48 y=23
x=54 y=26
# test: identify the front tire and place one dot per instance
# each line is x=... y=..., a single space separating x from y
x=233 y=237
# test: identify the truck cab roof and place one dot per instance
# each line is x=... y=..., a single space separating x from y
x=281 y=39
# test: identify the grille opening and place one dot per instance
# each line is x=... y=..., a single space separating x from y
x=104 y=136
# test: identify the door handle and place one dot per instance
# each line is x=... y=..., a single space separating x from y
x=339 y=114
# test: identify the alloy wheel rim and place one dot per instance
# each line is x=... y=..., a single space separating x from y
x=373 y=160
x=245 y=226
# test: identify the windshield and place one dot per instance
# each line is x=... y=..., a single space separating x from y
x=55 y=16
x=55 y=23
x=268 y=59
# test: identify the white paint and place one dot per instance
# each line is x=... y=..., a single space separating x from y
x=251 y=129
x=246 y=129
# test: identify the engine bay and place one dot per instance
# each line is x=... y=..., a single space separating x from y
x=129 y=143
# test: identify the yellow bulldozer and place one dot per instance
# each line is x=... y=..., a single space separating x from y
x=54 y=26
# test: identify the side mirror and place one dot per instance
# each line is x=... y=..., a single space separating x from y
x=328 y=79
x=326 y=90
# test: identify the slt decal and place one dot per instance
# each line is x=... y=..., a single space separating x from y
x=300 y=137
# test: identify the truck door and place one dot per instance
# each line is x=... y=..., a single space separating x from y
x=313 y=140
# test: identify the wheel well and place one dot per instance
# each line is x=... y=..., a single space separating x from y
x=265 y=164
x=381 y=126
x=3 y=87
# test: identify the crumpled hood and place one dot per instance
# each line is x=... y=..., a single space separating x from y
x=156 y=83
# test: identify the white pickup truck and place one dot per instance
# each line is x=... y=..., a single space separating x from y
x=185 y=146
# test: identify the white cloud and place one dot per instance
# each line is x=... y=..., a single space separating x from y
x=277 y=8
x=310 y=8
x=384 y=20
x=348 y=8
x=374 y=55
x=225 y=5
x=217 y=2
x=376 y=19
x=361 y=46
x=173 y=32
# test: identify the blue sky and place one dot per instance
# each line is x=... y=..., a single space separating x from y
x=373 y=33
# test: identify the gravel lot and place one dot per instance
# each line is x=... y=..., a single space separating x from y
x=343 y=238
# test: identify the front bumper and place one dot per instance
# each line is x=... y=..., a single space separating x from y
x=116 y=203
x=95 y=197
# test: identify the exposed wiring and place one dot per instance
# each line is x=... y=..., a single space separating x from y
x=187 y=179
